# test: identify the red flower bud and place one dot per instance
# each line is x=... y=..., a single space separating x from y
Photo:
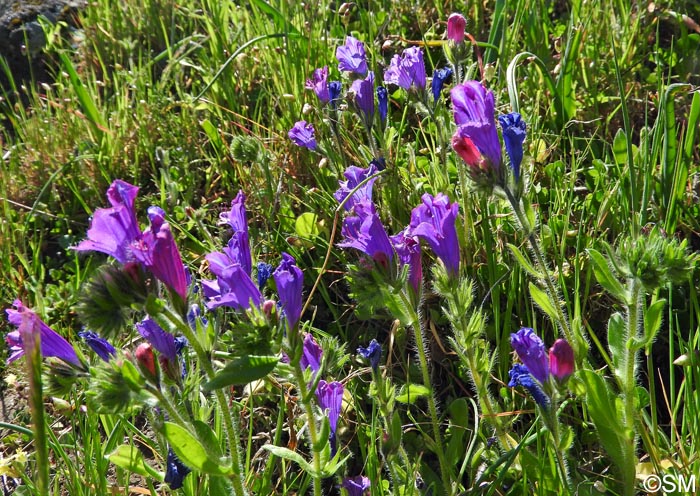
x=456 y=24
x=146 y=360
x=561 y=359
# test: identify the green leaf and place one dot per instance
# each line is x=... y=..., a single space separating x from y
x=605 y=277
x=280 y=22
x=653 y=318
x=130 y=458
x=616 y=343
x=411 y=392
x=293 y=456
x=192 y=453
x=606 y=411
x=524 y=262
x=208 y=437
x=543 y=301
x=306 y=226
x=620 y=147
x=242 y=370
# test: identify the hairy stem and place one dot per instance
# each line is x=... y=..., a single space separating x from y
x=311 y=419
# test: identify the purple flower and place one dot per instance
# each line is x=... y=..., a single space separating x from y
x=355 y=176
x=532 y=353
x=407 y=248
x=456 y=24
x=382 y=102
x=474 y=113
x=28 y=324
x=514 y=132
x=233 y=287
x=520 y=376
x=157 y=251
x=363 y=90
x=238 y=248
x=364 y=231
x=113 y=230
x=334 y=89
x=356 y=486
x=319 y=83
x=434 y=221
x=99 y=345
x=303 y=134
x=373 y=353
x=264 y=273
x=311 y=354
x=407 y=70
x=561 y=360
x=439 y=78
x=330 y=399
x=351 y=56
x=175 y=471
x=290 y=282
x=161 y=340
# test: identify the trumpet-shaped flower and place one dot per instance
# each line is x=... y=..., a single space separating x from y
x=99 y=345
x=356 y=486
x=160 y=339
x=290 y=282
x=434 y=221
x=238 y=248
x=407 y=248
x=514 y=131
x=407 y=70
x=474 y=113
x=28 y=324
x=520 y=375
x=303 y=134
x=532 y=353
x=311 y=354
x=113 y=230
x=330 y=399
x=355 y=176
x=363 y=91
x=351 y=56
x=364 y=231
x=319 y=83
x=439 y=78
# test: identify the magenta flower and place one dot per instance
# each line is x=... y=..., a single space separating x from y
x=238 y=249
x=157 y=251
x=351 y=56
x=319 y=83
x=561 y=360
x=113 y=230
x=363 y=91
x=474 y=113
x=330 y=399
x=290 y=282
x=364 y=231
x=355 y=176
x=303 y=134
x=28 y=323
x=311 y=354
x=532 y=353
x=456 y=25
x=407 y=70
x=434 y=221
x=356 y=486
x=232 y=288
x=407 y=248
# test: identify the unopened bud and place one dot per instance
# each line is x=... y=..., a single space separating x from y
x=146 y=360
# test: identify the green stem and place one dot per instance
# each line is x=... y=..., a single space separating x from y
x=552 y=423
x=32 y=349
x=230 y=423
x=313 y=432
x=417 y=325
x=633 y=314
x=563 y=320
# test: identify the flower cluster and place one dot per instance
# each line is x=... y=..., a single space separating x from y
x=537 y=366
x=115 y=231
x=476 y=139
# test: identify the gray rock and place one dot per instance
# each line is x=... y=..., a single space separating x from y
x=22 y=37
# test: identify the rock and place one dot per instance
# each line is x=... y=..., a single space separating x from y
x=22 y=37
